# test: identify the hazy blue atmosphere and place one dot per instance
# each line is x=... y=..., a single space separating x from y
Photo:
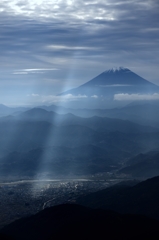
x=79 y=119
x=48 y=47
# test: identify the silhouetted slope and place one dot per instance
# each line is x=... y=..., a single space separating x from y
x=23 y=135
x=146 y=113
x=4 y=110
x=77 y=222
x=143 y=165
x=142 y=198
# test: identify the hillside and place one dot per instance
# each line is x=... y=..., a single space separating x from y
x=77 y=222
x=143 y=165
x=139 y=199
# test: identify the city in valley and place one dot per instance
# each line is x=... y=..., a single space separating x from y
x=26 y=197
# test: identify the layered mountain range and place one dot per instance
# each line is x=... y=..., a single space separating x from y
x=44 y=142
x=60 y=141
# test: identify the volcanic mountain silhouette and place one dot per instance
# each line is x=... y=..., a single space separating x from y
x=105 y=86
x=114 y=81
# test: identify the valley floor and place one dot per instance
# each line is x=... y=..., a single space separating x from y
x=26 y=197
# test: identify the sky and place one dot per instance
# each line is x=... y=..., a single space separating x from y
x=48 y=47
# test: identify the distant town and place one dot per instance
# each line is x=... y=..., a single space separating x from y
x=23 y=198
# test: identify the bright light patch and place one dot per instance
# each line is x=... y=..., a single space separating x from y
x=74 y=9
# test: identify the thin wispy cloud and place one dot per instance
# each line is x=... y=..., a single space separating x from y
x=135 y=97
x=19 y=72
x=115 y=85
x=94 y=96
x=34 y=70
x=48 y=99
x=62 y=47
x=39 y=69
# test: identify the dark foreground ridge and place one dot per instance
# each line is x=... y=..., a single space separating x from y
x=77 y=222
x=143 y=198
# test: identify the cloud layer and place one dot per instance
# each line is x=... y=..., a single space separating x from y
x=80 y=38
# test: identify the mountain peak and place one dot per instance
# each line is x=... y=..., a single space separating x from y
x=117 y=69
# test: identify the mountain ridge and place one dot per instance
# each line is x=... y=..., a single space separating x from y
x=70 y=221
x=141 y=198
